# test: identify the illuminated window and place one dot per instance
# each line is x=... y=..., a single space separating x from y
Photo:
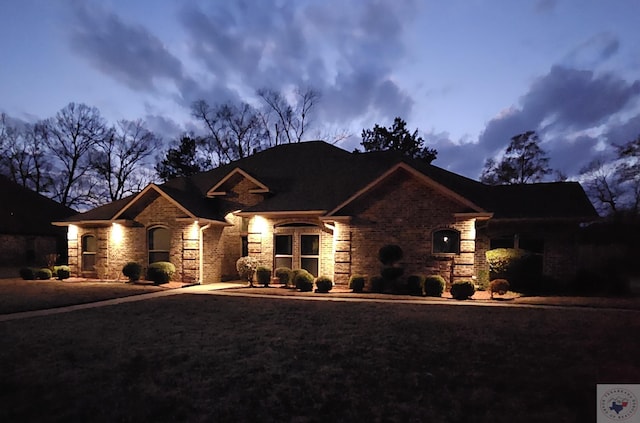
x=446 y=241
x=159 y=244
x=89 y=249
x=310 y=253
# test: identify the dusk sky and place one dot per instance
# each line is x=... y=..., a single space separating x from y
x=469 y=74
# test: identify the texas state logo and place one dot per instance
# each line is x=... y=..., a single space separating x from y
x=617 y=403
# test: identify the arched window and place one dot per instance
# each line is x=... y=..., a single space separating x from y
x=446 y=241
x=159 y=244
x=89 y=249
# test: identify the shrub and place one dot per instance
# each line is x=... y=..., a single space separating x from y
x=285 y=275
x=43 y=273
x=498 y=286
x=434 y=286
x=377 y=284
x=132 y=270
x=62 y=272
x=303 y=280
x=390 y=254
x=246 y=267
x=414 y=284
x=462 y=290
x=263 y=275
x=356 y=283
x=160 y=272
x=324 y=284
x=27 y=273
x=483 y=280
x=521 y=268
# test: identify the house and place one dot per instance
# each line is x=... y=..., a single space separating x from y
x=315 y=206
x=26 y=233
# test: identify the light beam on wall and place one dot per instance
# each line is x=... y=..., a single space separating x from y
x=72 y=232
x=117 y=233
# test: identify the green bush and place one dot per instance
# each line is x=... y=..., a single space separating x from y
x=498 y=286
x=28 y=273
x=62 y=272
x=521 y=268
x=414 y=284
x=462 y=290
x=132 y=270
x=246 y=267
x=285 y=275
x=303 y=280
x=160 y=272
x=263 y=275
x=356 y=283
x=390 y=254
x=43 y=273
x=377 y=284
x=434 y=286
x=483 y=280
x=324 y=284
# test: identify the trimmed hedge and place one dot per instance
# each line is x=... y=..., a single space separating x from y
x=62 y=272
x=377 y=284
x=303 y=280
x=498 y=286
x=521 y=268
x=263 y=275
x=285 y=275
x=132 y=270
x=28 y=273
x=434 y=286
x=462 y=290
x=390 y=254
x=415 y=284
x=160 y=272
x=43 y=273
x=356 y=283
x=324 y=284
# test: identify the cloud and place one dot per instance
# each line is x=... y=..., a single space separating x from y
x=593 y=52
x=560 y=104
x=127 y=52
x=545 y=6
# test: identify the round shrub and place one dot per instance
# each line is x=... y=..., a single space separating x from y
x=324 y=284
x=498 y=286
x=43 y=273
x=160 y=272
x=27 y=273
x=377 y=284
x=246 y=267
x=414 y=284
x=521 y=268
x=285 y=275
x=303 y=280
x=434 y=286
x=462 y=290
x=62 y=272
x=132 y=270
x=356 y=283
x=390 y=254
x=263 y=275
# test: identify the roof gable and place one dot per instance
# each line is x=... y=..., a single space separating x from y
x=143 y=199
x=232 y=179
x=420 y=177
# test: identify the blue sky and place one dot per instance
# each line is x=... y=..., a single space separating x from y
x=469 y=74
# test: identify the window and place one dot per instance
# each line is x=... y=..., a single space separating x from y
x=89 y=249
x=244 y=240
x=446 y=241
x=284 y=251
x=310 y=253
x=159 y=244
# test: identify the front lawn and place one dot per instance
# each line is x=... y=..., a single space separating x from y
x=217 y=358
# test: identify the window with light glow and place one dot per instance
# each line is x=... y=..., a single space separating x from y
x=446 y=241
x=159 y=244
x=89 y=250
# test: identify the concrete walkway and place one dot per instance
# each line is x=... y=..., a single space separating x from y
x=130 y=299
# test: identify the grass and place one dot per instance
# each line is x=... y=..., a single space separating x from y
x=17 y=295
x=211 y=358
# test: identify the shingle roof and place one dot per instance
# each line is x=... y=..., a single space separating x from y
x=26 y=212
x=318 y=176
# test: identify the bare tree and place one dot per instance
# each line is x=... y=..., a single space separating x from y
x=70 y=137
x=287 y=120
x=602 y=185
x=119 y=157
